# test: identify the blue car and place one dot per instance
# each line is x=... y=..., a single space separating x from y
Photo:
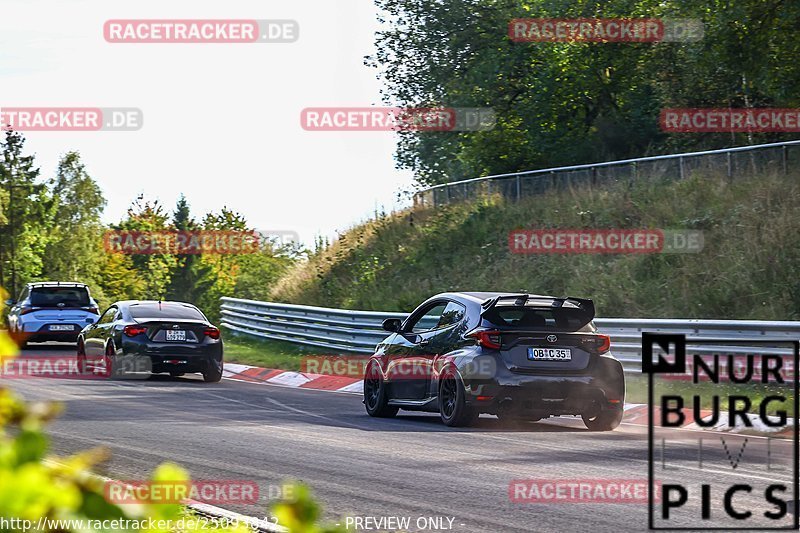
x=51 y=311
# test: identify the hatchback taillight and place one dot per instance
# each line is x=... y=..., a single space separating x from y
x=212 y=332
x=602 y=343
x=25 y=310
x=132 y=331
x=487 y=339
x=92 y=310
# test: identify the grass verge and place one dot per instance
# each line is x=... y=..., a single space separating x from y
x=749 y=268
x=636 y=392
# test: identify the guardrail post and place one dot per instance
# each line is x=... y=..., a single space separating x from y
x=594 y=175
x=785 y=159
x=680 y=166
x=519 y=188
x=730 y=165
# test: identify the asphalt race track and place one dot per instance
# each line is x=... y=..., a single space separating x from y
x=359 y=466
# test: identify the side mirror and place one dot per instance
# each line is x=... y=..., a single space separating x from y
x=392 y=324
x=10 y=302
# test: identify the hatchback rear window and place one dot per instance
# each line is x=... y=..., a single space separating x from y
x=558 y=319
x=165 y=310
x=60 y=297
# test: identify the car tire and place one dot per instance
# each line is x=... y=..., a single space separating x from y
x=605 y=420
x=375 y=400
x=213 y=374
x=453 y=408
x=108 y=362
x=19 y=337
x=81 y=356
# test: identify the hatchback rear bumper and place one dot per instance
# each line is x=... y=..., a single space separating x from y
x=600 y=388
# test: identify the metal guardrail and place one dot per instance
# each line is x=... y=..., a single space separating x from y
x=356 y=332
x=763 y=159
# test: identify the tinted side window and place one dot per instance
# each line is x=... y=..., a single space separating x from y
x=430 y=319
x=453 y=314
x=23 y=295
x=108 y=316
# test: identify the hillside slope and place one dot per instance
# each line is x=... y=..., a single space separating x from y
x=747 y=270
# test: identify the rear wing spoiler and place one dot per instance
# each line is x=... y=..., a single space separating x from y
x=585 y=305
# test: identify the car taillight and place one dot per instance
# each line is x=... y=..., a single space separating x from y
x=602 y=343
x=25 y=310
x=92 y=310
x=132 y=331
x=487 y=339
x=212 y=332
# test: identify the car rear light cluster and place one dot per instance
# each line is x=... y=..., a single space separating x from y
x=212 y=332
x=92 y=310
x=132 y=331
x=25 y=310
x=602 y=343
x=487 y=339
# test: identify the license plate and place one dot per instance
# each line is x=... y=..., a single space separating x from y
x=549 y=354
x=62 y=327
x=176 y=335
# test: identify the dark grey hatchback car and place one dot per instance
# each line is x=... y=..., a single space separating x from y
x=517 y=356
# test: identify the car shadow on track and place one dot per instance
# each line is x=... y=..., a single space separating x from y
x=52 y=348
x=432 y=422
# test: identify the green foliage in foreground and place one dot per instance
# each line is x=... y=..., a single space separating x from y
x=62 y=494
x=749 y=268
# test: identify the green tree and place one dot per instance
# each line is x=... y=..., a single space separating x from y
x=24 y=205
x=224 y=269
x=191 y=277
x=74 y=249
x=154 y=270
x=567 y=103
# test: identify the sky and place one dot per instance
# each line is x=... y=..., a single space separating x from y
x=221 y=121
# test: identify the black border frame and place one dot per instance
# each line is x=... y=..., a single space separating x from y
x=795 y=439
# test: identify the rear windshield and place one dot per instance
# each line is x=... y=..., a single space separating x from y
x=165 y=310
x=59 y=297
x=559 y=319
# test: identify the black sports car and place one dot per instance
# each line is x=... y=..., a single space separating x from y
x=517 y=356
x=152 y=336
